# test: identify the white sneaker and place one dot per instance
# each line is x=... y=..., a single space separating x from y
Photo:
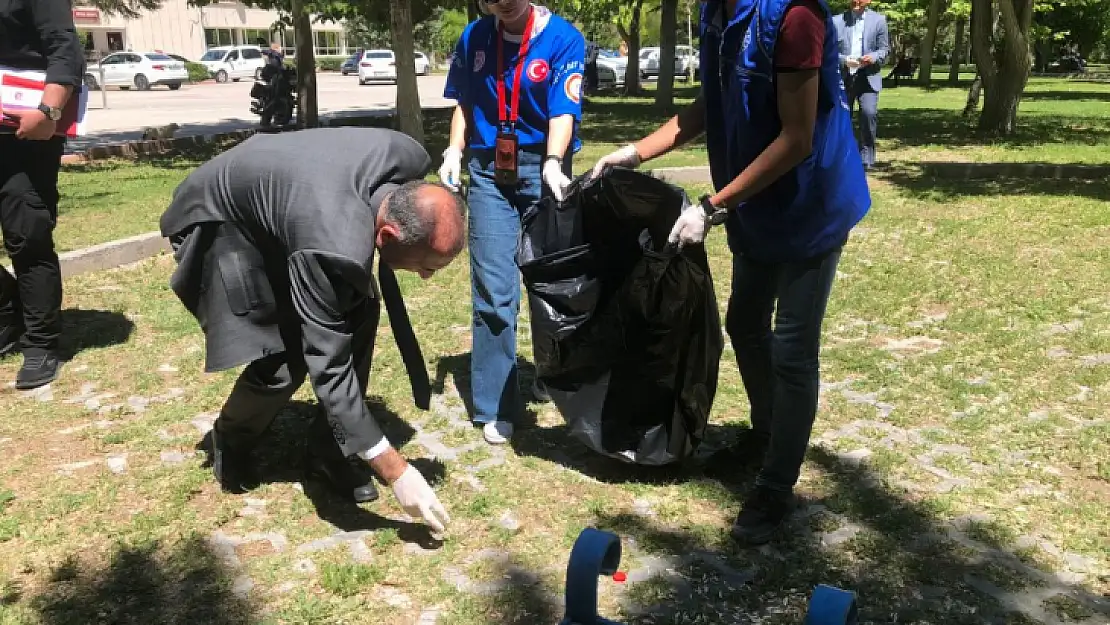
x=497 y=432
x=539 y=391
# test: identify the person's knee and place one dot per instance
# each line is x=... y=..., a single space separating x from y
x=275 y=372
x=869 y=107
x=795 y=354
x=29 y=227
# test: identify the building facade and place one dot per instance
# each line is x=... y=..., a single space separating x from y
x=177 y=28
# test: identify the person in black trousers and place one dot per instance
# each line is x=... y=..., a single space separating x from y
x=34 y=35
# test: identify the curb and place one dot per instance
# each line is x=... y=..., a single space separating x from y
x=976 y=171
x=111 y=254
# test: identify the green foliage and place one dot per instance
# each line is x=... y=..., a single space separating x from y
x=197 y=72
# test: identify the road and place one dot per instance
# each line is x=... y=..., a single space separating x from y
x=210 y=107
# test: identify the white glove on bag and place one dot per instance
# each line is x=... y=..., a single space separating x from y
x=556 y=180
x=450 y=172
x=624 y=157
x=690 y=228
x=418 y=500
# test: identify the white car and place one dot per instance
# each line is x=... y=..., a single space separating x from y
x=611 y=71
x=233 y=62
x=141 y=70
x=377 y=65
x=684 y=57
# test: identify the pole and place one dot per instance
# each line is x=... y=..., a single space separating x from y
x=103 y=88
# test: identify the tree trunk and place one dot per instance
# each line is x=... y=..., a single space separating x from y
x=308 y=107
x=1003 y=60
x=957 y=53
x=928 y=44
x=631 y=36
x=409 y=116
x=668 y=36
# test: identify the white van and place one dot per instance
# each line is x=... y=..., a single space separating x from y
x=234 y=62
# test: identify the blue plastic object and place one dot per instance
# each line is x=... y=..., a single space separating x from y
x=831 y=606
x=595 y=553
x=598 y=553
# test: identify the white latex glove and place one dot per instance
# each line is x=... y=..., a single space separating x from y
x=418 y=499
x=624 y=157
x=690 y=228
x=556 y=180
x=450 y=172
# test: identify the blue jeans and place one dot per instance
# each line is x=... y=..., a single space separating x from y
x=780 y=367
x=494 y=224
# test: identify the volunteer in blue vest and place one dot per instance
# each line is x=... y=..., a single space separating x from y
x=789 y=187
x=517 y=77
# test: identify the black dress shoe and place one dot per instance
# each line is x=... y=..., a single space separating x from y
x=350 y=477
x=40 y=367
x=232 y=465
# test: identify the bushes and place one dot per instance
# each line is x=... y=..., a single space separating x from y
x=197 y=72
x=323 y=63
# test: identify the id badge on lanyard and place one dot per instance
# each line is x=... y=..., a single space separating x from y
x=506 y=168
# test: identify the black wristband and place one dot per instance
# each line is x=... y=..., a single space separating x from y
x=552 y=157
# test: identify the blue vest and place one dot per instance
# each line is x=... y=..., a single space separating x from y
x=810 y=209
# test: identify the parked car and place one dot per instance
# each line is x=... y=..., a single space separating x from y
x=350 y=66
x=233 y=62
x=378 y=65
x=684 y=57
x=611 y=71
x=141 y=70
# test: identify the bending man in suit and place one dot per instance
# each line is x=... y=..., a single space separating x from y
x=864 y=47
x=275 y=240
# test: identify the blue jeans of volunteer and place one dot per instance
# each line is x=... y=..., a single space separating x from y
x=494 y=224
x=780 y=367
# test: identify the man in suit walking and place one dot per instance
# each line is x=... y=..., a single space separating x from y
x=864 y=47
x=274 y=242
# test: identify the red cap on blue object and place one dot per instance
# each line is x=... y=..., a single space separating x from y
x=619 y=577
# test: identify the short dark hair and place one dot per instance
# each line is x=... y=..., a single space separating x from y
x=415 y=222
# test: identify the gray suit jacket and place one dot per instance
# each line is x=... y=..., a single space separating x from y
x=282 y=227
x=876 y=42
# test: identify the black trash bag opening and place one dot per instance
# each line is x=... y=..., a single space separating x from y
x=626 y=333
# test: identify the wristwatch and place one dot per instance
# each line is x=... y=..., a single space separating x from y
x=53 y=114
x=714 y=215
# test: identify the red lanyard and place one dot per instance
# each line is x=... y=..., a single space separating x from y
x=522 y=57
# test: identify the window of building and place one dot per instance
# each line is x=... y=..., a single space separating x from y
x=259 y=36
x=219 y=37
x=327 y=43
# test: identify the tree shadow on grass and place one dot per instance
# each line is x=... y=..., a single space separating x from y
x=921 y=181
x=182 y=584
x=915 y=127
x=905 y=561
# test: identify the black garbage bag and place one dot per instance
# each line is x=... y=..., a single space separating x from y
x=625 y=329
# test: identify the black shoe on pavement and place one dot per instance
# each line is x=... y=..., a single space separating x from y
x=233 y=465
x=350 y=476
x=40 y=367
x=9 y=338
x=762 y=515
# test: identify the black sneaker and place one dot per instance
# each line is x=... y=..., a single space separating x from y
x=763 y=513
x=40 y=367
x=232 y=465
x=9 y=338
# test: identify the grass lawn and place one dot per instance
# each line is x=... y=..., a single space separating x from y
x=959 y=473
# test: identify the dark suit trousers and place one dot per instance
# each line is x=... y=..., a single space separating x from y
x=266 y=385
x=28 y=214
x=861 y=92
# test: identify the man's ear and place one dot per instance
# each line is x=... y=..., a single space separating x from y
x=387 y=234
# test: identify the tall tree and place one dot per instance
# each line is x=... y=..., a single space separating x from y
x=958 y=51
x=928 y=43
x=129 y=9
x=1002 y=57
x=308 y=111
x=410 y=118
x=668 y=35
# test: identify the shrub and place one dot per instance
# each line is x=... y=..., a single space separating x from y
x=197 y=72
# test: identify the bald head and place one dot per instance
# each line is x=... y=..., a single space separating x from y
x=421 y=227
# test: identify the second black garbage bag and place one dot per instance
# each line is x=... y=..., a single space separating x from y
x=625 y=329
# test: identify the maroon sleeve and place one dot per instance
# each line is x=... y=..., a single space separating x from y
x=801 y=41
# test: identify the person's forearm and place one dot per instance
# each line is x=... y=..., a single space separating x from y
x=56 y=96
x=687 y=124
x=389 y=465
x=559 y=132
x=458 y=129
x=784 y=154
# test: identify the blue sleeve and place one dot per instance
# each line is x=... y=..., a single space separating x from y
x=457 y=74
x=568 y=63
